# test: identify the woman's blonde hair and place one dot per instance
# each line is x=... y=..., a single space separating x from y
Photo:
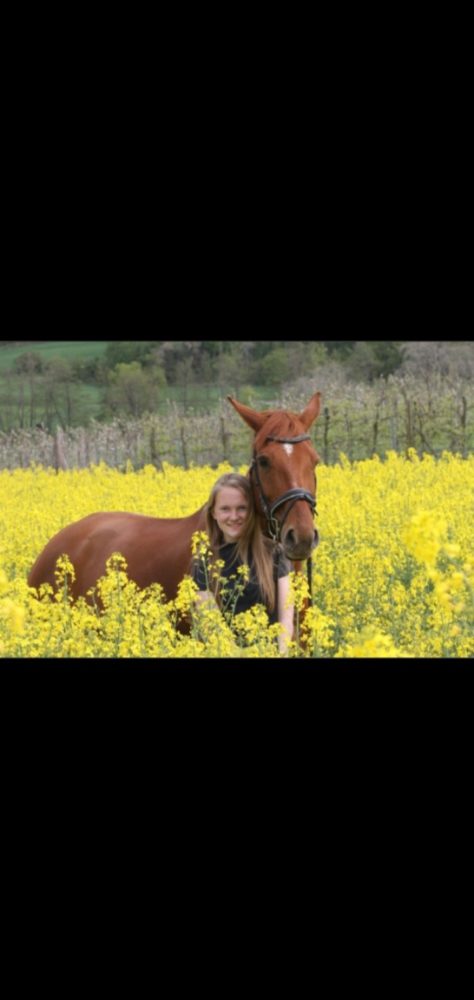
x=252 y=538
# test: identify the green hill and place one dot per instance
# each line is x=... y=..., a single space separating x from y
x=70 y=350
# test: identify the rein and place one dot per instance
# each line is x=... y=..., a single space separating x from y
x=275 y=577
x=274 y=526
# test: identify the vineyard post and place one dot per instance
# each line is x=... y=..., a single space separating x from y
x=58 y=450
x=116 y=451
x=419 y=414
x=154 y=453
x=394 y=425
x=463 y=421
x=409 y=426
x=82 y=448
x=408 y=420
x=183 y=445
x=375 y=429
x=225 y=439
x=348 y=425
x=326 y=435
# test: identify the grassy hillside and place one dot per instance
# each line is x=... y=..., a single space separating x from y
x=195 y=396
x=70 y=350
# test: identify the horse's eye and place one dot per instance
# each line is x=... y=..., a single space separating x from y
x=263 y=462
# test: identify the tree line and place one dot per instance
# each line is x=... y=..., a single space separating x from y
x=131 y=379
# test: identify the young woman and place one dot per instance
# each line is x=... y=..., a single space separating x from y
x=236 y=538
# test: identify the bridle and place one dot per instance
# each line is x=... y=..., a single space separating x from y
x=274 y=526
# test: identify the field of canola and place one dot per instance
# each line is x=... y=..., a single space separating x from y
x=392 y=577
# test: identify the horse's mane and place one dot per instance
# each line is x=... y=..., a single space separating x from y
x=281 y=423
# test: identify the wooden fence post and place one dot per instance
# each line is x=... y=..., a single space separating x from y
x=375 y=429
x=154 y=453
x=463 y=421
x=394 y=426
x=348 y=426
x=183 y=445
x=225 y=435
x=58 y=451
x=408 y=421
x=82 y=462
x=326 y=436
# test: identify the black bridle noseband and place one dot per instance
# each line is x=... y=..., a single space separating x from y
x=273 y=524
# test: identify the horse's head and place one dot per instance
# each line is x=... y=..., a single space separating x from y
x=283 y=474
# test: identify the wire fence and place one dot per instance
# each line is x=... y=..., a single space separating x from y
x=362 y=422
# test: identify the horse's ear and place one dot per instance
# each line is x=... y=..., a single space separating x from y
x=311 y=411
x=253 y=418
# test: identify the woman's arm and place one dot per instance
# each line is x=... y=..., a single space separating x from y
x=204 y=597
x=203 y=601
x=285 y=615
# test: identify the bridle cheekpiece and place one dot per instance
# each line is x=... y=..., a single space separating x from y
x=273 y=524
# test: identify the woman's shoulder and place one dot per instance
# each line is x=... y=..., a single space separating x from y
x=284 y=565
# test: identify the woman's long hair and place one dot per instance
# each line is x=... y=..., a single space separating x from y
x=251 y=540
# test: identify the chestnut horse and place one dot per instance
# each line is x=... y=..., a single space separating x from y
x=158 y=550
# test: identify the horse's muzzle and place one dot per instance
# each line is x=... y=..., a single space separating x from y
x=297 y=549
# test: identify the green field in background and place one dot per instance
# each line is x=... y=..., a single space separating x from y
x=195 y=398
x=70 y=350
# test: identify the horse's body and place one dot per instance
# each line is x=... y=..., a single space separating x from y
x=158 y=550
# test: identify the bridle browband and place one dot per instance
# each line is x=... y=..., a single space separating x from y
x=273 y=524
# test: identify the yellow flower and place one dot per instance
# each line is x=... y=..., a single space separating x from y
x=200 y=544
x=394 y=574
x=372 y=644
x=452 y=550
x=13 y=614
x=298 y=591
x=186 y=595
x=244 y=572
x=424 y=536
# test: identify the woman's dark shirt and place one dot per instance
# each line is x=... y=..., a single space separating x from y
x=251 y=593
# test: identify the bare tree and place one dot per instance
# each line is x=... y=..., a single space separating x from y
x=438 y=357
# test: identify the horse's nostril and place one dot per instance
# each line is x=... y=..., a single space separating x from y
x=290 y=536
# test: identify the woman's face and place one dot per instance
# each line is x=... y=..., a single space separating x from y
x=231 y=511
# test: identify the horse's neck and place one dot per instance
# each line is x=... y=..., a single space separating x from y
x=198 y=519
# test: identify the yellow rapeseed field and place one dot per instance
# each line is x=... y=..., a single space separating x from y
x=392 y=577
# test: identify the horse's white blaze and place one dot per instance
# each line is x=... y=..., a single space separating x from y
x=288 y=448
